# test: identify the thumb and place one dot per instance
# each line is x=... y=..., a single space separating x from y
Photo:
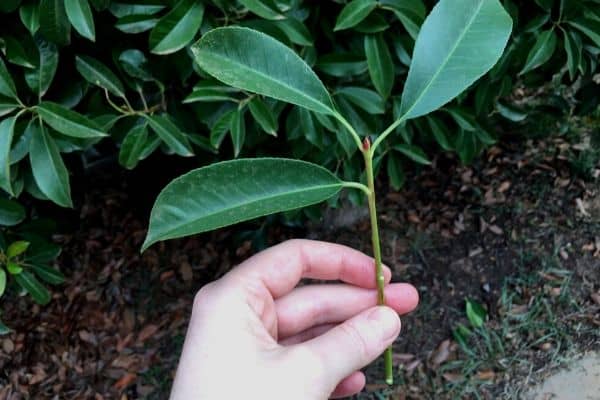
x=355 y=343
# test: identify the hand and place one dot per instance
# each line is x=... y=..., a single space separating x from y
x=254 y=335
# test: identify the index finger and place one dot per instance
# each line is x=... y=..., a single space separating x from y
x=281 y=267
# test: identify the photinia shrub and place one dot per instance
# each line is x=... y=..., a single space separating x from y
x=457 y=44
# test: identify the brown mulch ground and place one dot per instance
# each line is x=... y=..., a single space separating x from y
x=115 y=329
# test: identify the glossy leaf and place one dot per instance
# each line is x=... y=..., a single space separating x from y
x=342 y=64
x=170 y=134
x=242 y=58
x=136 y=23
x=2 y=285
x=439 y=132
x=7 y=130
x=443 y=60
x=177 y=29
x=7 y=85
x=381 y=67
x=7 y=6
x=48 y=274
x=29 y=282
x=296 y=31
x=589 y=27
x=17 y=248
x=49 y=171
x=541 y=51
x=220 y=128
x=7 y=105
x=30 y=16
x=263 y=8
x=263 y=115
x=574 y=49
x=68 y=122
x=364 y=98
x=122 y=9
x=238 y=132
x=99 y=74
x=410 y=13
x=353 y=13
x=234 y=191
x=54 y=23
x=475 y=313
x=40 y=79
x=11 y=212
x=81 y=18
x=133 y=146
x=413 y=152
x=395 y=172
x=135 y=64
x=21 y=51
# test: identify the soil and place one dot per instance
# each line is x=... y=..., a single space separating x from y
x=517 y=224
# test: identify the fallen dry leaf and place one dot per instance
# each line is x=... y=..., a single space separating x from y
x=147 y=332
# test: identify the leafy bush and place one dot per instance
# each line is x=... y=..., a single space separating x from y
x=76 y=74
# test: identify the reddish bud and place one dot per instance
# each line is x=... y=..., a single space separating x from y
x=366 y=144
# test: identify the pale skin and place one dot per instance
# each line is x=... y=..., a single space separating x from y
x=255 y=335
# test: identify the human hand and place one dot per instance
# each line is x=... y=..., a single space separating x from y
x=254 y=335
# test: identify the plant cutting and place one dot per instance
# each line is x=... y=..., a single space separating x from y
x=457 y=44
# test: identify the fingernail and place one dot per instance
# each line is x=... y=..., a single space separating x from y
x=388 y=321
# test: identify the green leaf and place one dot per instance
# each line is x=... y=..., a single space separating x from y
x=440 y=133
x=136 y=23
x=541 y=51
x=296 y=31
x=40 y=79
x=17 y=248
x=135 y=64
x=574 y=49
x=266 y=9
x=443 y=60
x=353 y=13
x=11 y=212
x=381 y=67
x=49 y=171
x=7 y=130
x=410 y=14
x=510 y=113
x=475 y=313
x=364 y=98
x=54 y=24
x=202 y=93
x=21 y=51
x=7 y=85
x=7 y=105
x=238 y=132
x=68 y=122
x=122 y=9
x=13 y=268
x=220 y=128
x=2 y=287
x=395 y=172
x=589 y=27
x=132 y=146
x=30 y=16
x=80 y=16
x=413 y=152
x=263 y=115
x=342 y=64
x=177 y=29
x=48 y=274
x=170 y=134
x=461 y=334
x=7 y=6
x=234 y=191
x=242 y=58
x=99 y=74
x=38 y=292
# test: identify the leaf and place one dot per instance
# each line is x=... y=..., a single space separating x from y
x=7 y=85
x=439 y=131
x=381 y=67
x=48 y=274
x=68 y=122
x=413 y=152
x=364 y=98
x=40 y=79
x=13 y=268
x=475 y=313
x=21 y=51
x=541 y=51
x=4 y=330
x=7 y=105
x=132 y=146
x=135 y=64
x=170 y=134
x=220 y=128
x=342 y=64
x=296 y=31
x=80 y=16
x=234 y=191
x=17 y=248
x=122 y=9
x=136 y=23
x=7 y=6
x=48 y=168
x=7 y=130
x=443 y=60
x=353 y=13
x=395 y=172
x=99 y=74
x=263 y=115
x=238 y=132
x=510 y=113
x=574 y=49
x=410 y=13
x=266 y=9
x=2 y=288
x=242 y=58
x=178 y=28
x=210 y=94
x=11 y=212
x=38 y=292
x=30 y=16
x=589 y=27
x=54 y=24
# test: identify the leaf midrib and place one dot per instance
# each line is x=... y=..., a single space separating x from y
x=273 y=198
x=267 y=77
x=450 y=54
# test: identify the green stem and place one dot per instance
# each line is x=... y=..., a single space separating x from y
x=368 y=152
x=385 y=133
x=350 y=129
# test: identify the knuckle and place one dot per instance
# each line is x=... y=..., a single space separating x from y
x=204 y=296
x=358 y=341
